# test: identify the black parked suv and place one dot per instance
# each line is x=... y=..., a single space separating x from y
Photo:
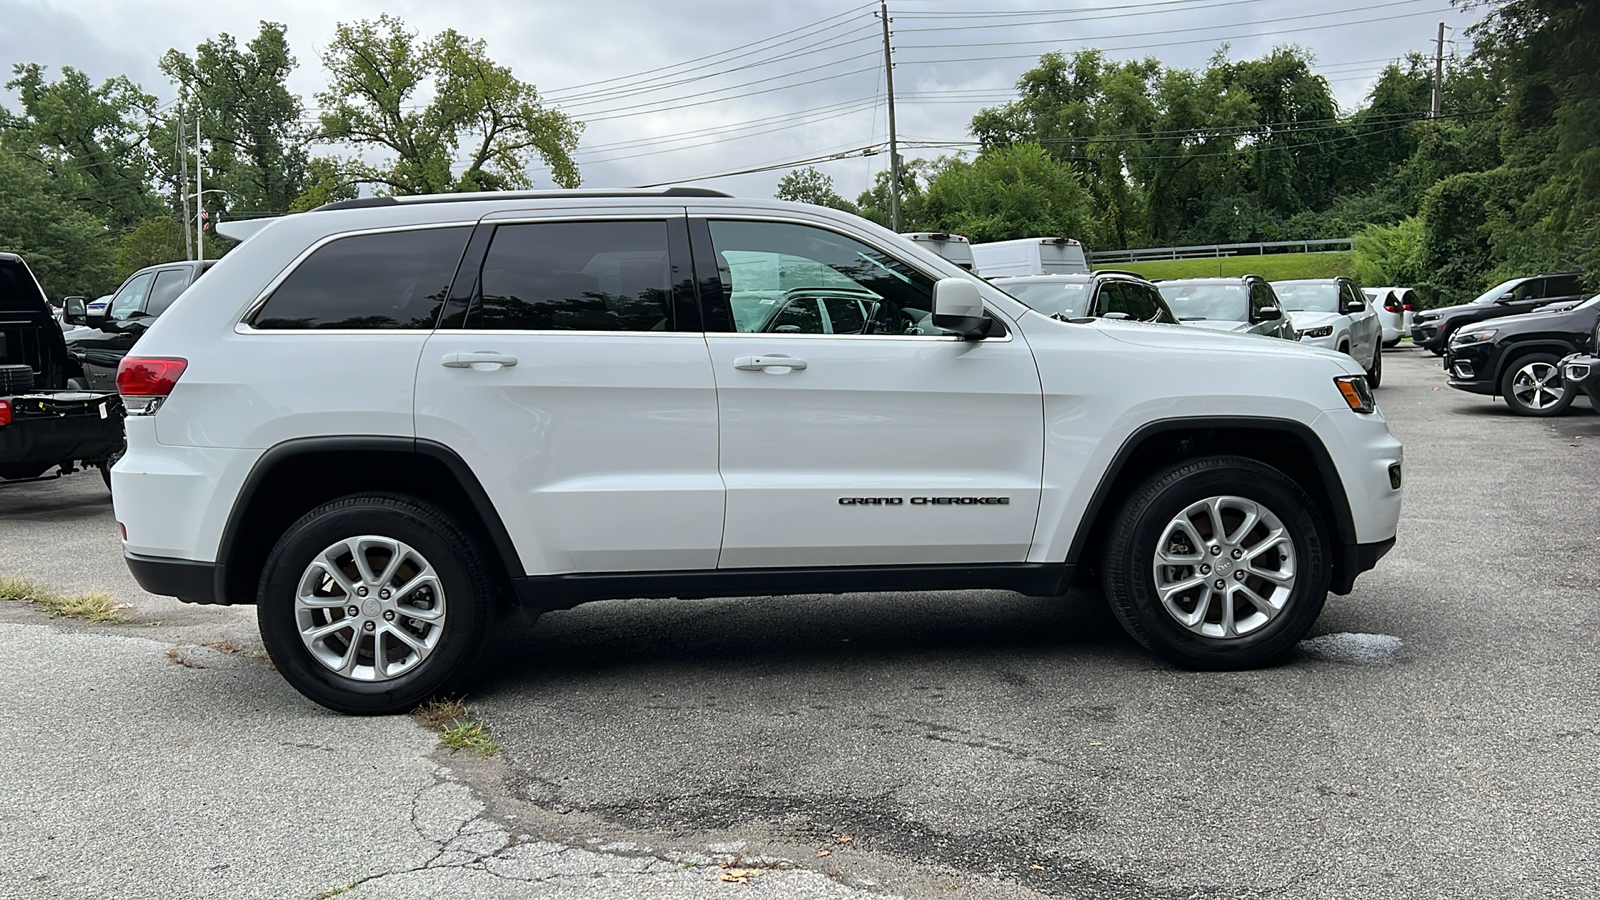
x=1106 y=293
x=1432 y=328
x=1518 y=357
x=144 y=295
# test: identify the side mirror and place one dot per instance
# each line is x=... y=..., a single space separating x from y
x=76 y=311
x=1353 y=306
x=958 y=307
x=1269 y=314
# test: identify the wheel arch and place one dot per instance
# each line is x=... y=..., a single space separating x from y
x=294 y=477
x=1289 y=446
x=1513 y=352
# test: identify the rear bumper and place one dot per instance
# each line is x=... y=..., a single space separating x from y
x=186 y=579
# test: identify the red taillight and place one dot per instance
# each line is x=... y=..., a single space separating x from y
x=1390 y=307
x=5 y=412
x=139 y=376
x=1409 y=307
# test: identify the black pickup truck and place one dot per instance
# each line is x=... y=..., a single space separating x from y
x=43 y=425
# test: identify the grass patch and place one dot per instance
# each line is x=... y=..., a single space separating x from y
x=1271 y=266
x=96 y=606
x=448 y=716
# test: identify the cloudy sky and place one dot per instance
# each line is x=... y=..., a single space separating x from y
x=681 y=91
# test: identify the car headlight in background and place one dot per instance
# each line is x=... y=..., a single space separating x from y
x=1319 y=332
x=1355 y=392
x=1471 y=336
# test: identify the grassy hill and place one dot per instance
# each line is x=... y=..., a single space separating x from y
x=1272 y=266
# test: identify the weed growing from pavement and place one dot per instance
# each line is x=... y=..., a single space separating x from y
x=92 y=607
x=448 y=716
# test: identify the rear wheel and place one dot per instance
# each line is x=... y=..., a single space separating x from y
x=1532 y=386
x=1217 y=563
x=370 y=604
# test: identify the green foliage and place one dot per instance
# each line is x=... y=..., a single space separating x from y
x=810 y=186
x=379 y=74
x=1008 y=192
x=87 y=136
x=1271 y=266
x=152 y=241
x=257 y=155
x=65 y=246
x=1390 y=254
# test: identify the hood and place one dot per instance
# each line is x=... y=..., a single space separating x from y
x=1306 y=319
x=1257 y=346
x=1444 y=312
x=1544 y=318
x=1217 y=325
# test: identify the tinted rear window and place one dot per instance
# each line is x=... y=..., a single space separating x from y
x=18 y=291
x=398 y=279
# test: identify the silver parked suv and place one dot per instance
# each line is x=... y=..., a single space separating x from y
x=382 y=420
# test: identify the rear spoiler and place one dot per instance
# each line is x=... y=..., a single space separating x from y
x=241 y=229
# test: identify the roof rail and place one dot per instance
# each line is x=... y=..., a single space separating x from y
x=371 y=202
x=1118 y=272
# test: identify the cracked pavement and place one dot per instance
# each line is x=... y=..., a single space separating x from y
x=1437 y=741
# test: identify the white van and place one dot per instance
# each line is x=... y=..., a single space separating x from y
x=953 y=247
x=1030 y=256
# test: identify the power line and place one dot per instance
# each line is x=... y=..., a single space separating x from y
x=868 y=150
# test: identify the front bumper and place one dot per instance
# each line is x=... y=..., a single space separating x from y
x=1582 y=371
x=1429 y=335
x=1471 y=367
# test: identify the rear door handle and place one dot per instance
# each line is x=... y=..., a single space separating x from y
x=480 y=359
x=757 y=363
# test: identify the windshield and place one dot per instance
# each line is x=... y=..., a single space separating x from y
x=1308 y=297
x=1053 y=298
x=1494 y=293
x=1193 y=302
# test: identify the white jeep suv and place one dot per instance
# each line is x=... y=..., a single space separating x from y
x=381 y=420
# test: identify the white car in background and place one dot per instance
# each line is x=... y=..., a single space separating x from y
x=1332 y=313
x=1395 y=306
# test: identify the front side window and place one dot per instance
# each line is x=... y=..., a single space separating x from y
x=1532 y=289
x=1130 y=300
x=130 y=299
x=799 y=279
x=391 y=280
x=575 y=276
x=169 y=284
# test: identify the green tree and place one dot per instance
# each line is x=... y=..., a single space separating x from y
x=94 y=138
x=1009 y=192
x=151 y=242
x=811 y=186
x=249 y=118
x=65 y=245
x=379 y=74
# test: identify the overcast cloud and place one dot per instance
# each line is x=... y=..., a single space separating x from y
x=587 y=59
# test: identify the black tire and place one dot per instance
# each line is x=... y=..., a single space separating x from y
x=105 y=467
x=1130 y=572
x=460 y=575
x=1527 y=399
x=16 y=379
x=23 y=470
x=1392 y=344
x=1375 y=374
x=77 y=384
x=1438 y=352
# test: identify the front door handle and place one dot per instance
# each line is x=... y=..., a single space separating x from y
x=758 y=363
x=480 y=360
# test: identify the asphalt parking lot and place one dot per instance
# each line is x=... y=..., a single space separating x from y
x=1438 y=737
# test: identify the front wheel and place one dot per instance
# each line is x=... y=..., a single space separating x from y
x=372 y=603
x=1532 y=386
x=1375 y=373
x=1217 y=563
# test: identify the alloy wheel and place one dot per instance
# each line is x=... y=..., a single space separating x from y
x=1224 y=567
x=1538 y=385
x=370 y=608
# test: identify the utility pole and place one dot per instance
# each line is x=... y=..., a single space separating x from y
x=894 y=146
x=1438 y=74
x=199 y=195
x=183 y=188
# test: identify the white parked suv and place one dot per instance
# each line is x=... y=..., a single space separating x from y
x=382 y=420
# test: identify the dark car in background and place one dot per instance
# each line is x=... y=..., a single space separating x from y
x=1106 y=293
x=142 y=297
x=1432 y=328
x=1242 y=305
x=1518 y=358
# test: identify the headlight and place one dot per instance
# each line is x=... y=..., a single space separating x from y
x=1355 y=392
x=1319 y=331
x=1471 y=336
